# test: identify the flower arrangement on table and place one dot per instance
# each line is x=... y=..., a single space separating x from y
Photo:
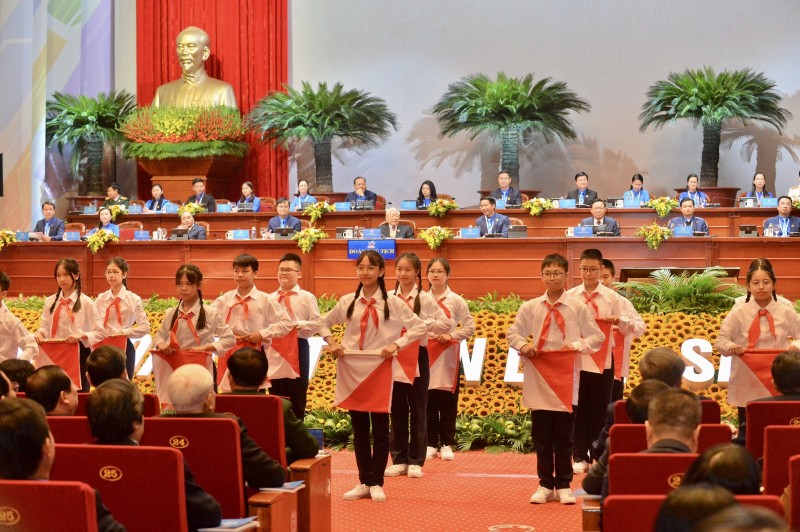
x=435 y=236
x=440 y=207
x=663 y=205
x=796 y=204
x=116 y=210
x=537 y=206
x=654 y=234
x=318 y=209
x=192 y=207
x=308 y=237
x=7 y=237
x=99 y=238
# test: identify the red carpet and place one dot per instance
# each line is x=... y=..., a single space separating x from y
x=475 y=492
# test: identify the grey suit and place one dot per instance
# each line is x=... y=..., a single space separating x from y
x=197 y=232
x=403 y=231
x=611 y=224
x=500 y=225
x=56 y=228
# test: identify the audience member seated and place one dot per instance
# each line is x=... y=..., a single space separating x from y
x=392 y=228
x=115 y=414
x=6 y=388
x=247 y=369
x=673 y=422
x=741 y=518
x=692 y=191
x=196 y=232
x=191 y=390
x=249 y=196
x=27 y=452
x=200 y=196
x=794 y=192
x=283 y=219
x=105 y=363
x=759 y=190
x=582 y=195
x=361 y=193
x=50 y=227
x=114 y=197
x=17 y=370
x=785 y=376
x=51 y=387
x=302 y=196
x=685 y=507
x=599 y=218
x=784 y=224
x=105 y=222
x=492 y=222
x=427 y=194
x=688 y=219
x=729 y=466
x=505 y=194
x=158 y=202
x=637 y=192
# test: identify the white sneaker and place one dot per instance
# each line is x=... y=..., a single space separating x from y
x=543 y=495
x=431 y=453
x=395 y=470
x=414 y=471
x=361 y=491
x=377 y=494
x=580 y=467
x=564 y=495
x=446 y=453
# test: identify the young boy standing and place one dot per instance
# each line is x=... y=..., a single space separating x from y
x=554 y=322
x=13 y=334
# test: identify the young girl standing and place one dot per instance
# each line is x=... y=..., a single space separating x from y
x=122 y=311
x=410 y=396
x=374 y=321
x=71 y=316
x=191 y=326
x=443 y=388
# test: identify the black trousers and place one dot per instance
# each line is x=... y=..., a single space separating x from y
x=552 y=439
x=741 y=437
x=84 y=354
x=617 y=390
x=295 y=389
x=594 y=394
x=410 y=401
x=442 y=413
x=130 y=358
x=370 y=459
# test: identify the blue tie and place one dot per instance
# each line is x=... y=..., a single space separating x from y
x=47 y=229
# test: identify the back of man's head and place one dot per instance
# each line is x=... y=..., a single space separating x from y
x=674 y=414
x=247 y=368
x=785 y=372
x=17 y=371
x=190 y=389
x=638 y=401
x=663 y=364
x=23 y=432
x=46 y=385
x=113 y=410
x=105 y=363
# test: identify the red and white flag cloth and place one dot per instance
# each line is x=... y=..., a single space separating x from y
x=406 y=363
x=751 y=376
x=120 y=341
x=443 y=363
x=618 y=349
x=164 y=365
x=222 y=363
x=550 y=380
x=284 y=359
x=596 y=362
x=64 y=354
x=364 y=382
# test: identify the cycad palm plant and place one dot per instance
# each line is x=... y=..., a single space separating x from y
x=709 y=99
x=87 y=123
x=319 y=116
x=510 y=106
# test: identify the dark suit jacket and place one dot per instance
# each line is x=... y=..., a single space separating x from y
x=698 y=224
x=501 y=224
x=611 y=224
x=589 y=196
x=197 y=232
x=794 y=223
x=105 y=521
x=403 y=231
x=56 y=228
x=368 y=194
x=514 y=196
x=208 y=200
x=291 y=221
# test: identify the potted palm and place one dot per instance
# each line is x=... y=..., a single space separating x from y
x=319 y=116
x=710 y=99
x=87 y=123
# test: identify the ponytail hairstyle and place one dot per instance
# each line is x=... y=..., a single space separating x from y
x=765 y=266
x=100 y=222
x=71 y=267
x=417 y=265
x=122 y=264
x=445 y=264
x=243 y=199
x=195 y=277
x=636 y=177
x=375 y=259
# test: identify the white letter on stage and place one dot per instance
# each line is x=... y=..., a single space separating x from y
x=514 y=376
x=699 y=368
x=315 y=344
x=473 y=366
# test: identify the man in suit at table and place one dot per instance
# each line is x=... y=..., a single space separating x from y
x=688 y=219
x=599 y=218
x=196 y=232
x=582 y=195
x=784 y=224
x=200 y=196
x=361 y=193
x=392 y=228
x=283 y=219
x=505 y=194
x=50 y=227
x=492 y=222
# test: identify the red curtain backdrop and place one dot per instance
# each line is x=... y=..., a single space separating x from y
x=249 y=50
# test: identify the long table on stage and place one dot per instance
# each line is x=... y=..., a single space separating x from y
x=480 y=266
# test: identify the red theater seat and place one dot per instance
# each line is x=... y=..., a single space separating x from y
x=263 y=416
x=70 y=504
x=664 y=472
x=151 y=405
x=764 y=414
x=711 y=412
x=70 y=429
x=794 y=480
x=780 y=444
x=632 y=439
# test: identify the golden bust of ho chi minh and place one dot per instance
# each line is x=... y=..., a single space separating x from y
x=195 y=88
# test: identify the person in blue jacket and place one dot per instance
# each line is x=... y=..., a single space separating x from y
x=105 y=222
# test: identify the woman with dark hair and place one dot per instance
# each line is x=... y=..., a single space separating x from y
x=302 y=196
x=693 y=192
x=637 y=192
x=158 y=202
x=249 y=196
x=759 y=190
x=685 y=507
x=729 y=466
x=427 y=194
x=105 y=222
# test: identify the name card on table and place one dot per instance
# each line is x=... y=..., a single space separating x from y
x=682 y=230
x=22 y=236
x=631 y=204
x=171 y=208
x=89 y=209
x=371 y=233
x=72 y=236
x=470 y=232
x=584 y=231
x=387 y=248
x=342 y=205
x=408 y=205
x=565 y=203
x=224 y=207
x=141 y=235
x=135 y=209
x=769 y=202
